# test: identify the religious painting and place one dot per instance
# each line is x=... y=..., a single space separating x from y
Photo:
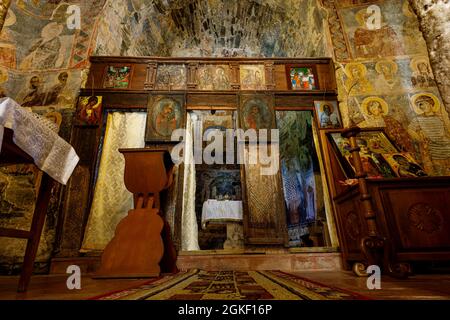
x=165 y=114
x=117 y=77
x=429 y=129
x=387 y=78
x=373 y=143
x=264 y=215
x=356 y=82
x=220 y=120
x=214 y=77
x=397 y=34
x=327 y=114
x=171 y=77
x=89 y=111
x=253 y=77
x=300 y=173
x=422 y=76
x=404 y=165
x=256 y=112
x=302 y=78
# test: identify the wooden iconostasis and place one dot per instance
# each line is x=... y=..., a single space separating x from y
x=295 y=96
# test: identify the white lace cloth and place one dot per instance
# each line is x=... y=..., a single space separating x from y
x=37 y=137
x=214 y=210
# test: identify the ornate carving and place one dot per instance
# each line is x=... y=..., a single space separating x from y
x=151 y=75
x=270 y=79
x=192 y=75
x=235 y=76
x=425 y=217
x=352 y=225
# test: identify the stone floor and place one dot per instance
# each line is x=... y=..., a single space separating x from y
x=53 y=287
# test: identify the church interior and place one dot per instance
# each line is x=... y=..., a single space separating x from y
x=224 y=149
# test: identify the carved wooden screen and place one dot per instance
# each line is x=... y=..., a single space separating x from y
x=264 y=213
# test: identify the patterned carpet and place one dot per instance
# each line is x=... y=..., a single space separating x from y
x=231 y=285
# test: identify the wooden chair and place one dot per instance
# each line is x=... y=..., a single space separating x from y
x=11 y=154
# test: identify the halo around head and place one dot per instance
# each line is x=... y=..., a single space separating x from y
x=392 y=65
x=367 y=101
x=352 y=65
x=326 y=103
x=418 y=60
x=414 y=98
x=361 y=16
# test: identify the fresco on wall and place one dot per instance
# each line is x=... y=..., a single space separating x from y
x=40 y=67
x=393 y=38
x=389 y=69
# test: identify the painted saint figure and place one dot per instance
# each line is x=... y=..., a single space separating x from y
x=422 y=76
x=90 y=112
x=431 y=131
x=166 y=120
x=329 y=119
x=407 y=168
x=254 y=118
x=379 y=42
x=221 y=81
x=54 y=93
x=35 y=97
x=46 y=52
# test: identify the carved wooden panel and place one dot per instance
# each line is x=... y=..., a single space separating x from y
x=418 y=218
x=77 y=195
x=151 y=76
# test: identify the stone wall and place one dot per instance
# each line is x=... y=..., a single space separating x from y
x=292 y=28
x=434 y=20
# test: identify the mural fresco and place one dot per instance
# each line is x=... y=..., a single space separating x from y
x=41 y=60
x=386 y=72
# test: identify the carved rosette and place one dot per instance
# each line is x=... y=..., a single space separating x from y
x=425 y=217
x=352 y=226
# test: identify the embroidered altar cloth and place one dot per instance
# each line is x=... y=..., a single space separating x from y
x=221 y=211
x=38 y=137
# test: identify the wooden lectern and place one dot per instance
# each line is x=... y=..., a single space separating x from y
x=138 y=246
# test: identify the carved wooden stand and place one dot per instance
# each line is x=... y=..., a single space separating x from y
x=138 y=247
x=376 y=249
